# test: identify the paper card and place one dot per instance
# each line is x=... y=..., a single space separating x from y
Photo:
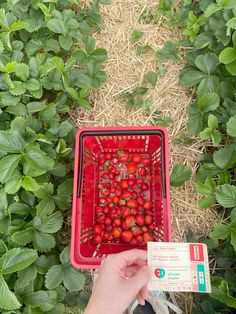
x=179 y=267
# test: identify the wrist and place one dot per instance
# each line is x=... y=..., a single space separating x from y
x=94 y=307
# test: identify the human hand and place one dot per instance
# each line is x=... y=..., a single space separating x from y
x=119 y=282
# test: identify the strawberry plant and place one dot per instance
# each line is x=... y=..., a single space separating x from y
x=42 y=79
x=209 y=26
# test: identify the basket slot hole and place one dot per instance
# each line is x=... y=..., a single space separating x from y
x=99 y=143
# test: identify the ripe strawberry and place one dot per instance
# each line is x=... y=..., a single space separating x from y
x=108 y=156
x=123 y=156
x=118 y=192
x=144 y=187
x=146 y=161
x=117 y=222
x=148 y=177
x=140 y=200
x=140 y=220
x=142 y=171
x=132 y=167
x=124 y=184
x=136 y=158
x=126 y=212
x=132 y=203
x=148 y=219
x=136 y=231
x=140 y=238
x=116 y=233
x=130 y=221
x=147 y=237
x=134 y=241
x=108 y=221
x=131 y=176
x=127 y=194
x=97 y=229
x=127 y=236
x=97 y=239
x=147 y=205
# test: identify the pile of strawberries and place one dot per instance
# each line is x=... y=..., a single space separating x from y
x=124 y=213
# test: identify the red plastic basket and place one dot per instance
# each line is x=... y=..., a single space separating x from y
x=90 y=143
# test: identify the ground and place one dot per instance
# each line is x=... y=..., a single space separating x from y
x=125 y=71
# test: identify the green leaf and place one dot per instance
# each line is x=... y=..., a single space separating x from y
x=151 y=77
x=52 y=223
x=220 y=232
x=233 y=239
x=45 y=300
x=32 y=84
x=57 y=26
x=29 y=184
x=45 y=191
x=65 y=42
x=13 y=186
x=11 y=142
x=35 y=106
x=191 y=78
x=54 y=276
x=226 y=195
x=22 y=71
x=19 y=88
x=136 y=35
x=7 y=165
x=206 y=170
x=23 y=237
x=221 y=293
x=231 y=23
x=180 y=174
x=64 y=128
x=43 y=242
x=205 y=188
x=74 y=280
x=207 y=63
x=227 y=55
x=17 y=259
x=58 y=62
x=26 y=276
x=195 y=123
x=169 y=50
x=205 y=134
x=16 y=26
x=58 y=309
x=65 y=256
x=38 y=159
x=223 y=157
x=99 y=55
x=8 y=300
x=212 y=122
x=19 y=208
x=3 y=19
x=89 y=44
x=207 y=202
x=208 y=102
x=216 y=138
x=46 y=207
x=211 y=9
x=231 y=126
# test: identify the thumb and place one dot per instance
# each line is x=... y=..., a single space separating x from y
x=140 y=279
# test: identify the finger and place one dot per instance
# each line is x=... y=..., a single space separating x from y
x=129 y=271
x=144 y=292
x=140 y=299
x=139 y=280
x=129 y=257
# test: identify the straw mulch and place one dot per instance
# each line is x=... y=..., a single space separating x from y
x=125 y=71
